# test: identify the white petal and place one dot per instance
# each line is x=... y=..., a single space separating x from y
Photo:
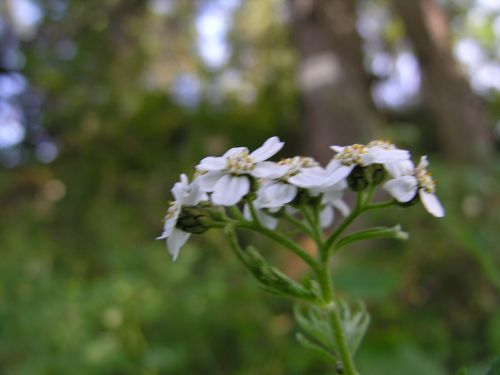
x=263 y=198
x=308 y=178
x=266 y=220
x=175 y=241
x=333 y=164
x=168 y=227
x=184 y=179
x=338 y=149
x=180 y=188
x=178 y=191
x=234 y=151
x=268 y=149
x=382 y=156
x=208 y=180
x=431 y=203
x=268 y=169
x=403 y=188
x=212 y=163
x=330 y=196
x=230 y=189
x=423 y=162
x=278 y=194
x=246 y=212
x=342 y=207
x=338 y=187
x=337 y=175
x=194 y=196
x=401 y=168
x=326 y=216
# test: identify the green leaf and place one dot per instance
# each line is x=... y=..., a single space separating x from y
x=462 y=371
x=270 y=278
x=306 y=343
x=316 y=323
x=371 y=233
x=354 y=325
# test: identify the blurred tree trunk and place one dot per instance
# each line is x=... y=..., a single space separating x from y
x=337 y=102
x=463 y=124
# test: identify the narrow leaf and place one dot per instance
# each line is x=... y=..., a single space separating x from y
x=377 y=232
x=305 y=342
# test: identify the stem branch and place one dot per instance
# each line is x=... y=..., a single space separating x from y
x=281 y=239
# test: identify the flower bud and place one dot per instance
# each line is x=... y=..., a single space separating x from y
x=377 y=173
x=193 y=219
x=214 y=212
x=304 y=196
x=358 y=180
x=361 y=177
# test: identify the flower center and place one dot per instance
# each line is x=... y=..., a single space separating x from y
x=173 y=209
x=296 y=164
x=352 y=154
x=386 y=145
x=425 y=180
x=240 y=163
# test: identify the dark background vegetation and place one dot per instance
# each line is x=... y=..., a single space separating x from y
x=103 y=103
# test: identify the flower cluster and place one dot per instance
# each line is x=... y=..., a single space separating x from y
x=270 y=190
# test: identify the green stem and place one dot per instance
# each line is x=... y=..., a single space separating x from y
x=385 y=204
x=253 y=212
x=313 y=222
x=285 y=241
x=345 y=355
x=235 y=211
x=358 y=209
x=299 y=224
x=233 y=241
x=331 y=306
x=325 y=283
x=368 y=195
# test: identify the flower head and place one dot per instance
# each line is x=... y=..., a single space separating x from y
x=397 y=168
x=227 y=176
x=359 y=155
x=185 y=194
x=279 y=192
x=405 y=187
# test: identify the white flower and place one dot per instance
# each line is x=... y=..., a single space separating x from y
x=397 y=168
x=304 y=172
x=185 y=194
x=227 y=177
x=348 y=157
x=332 y=198
x=300 y=173
x=405 y=187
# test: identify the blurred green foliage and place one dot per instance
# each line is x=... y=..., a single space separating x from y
x=85 y=289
